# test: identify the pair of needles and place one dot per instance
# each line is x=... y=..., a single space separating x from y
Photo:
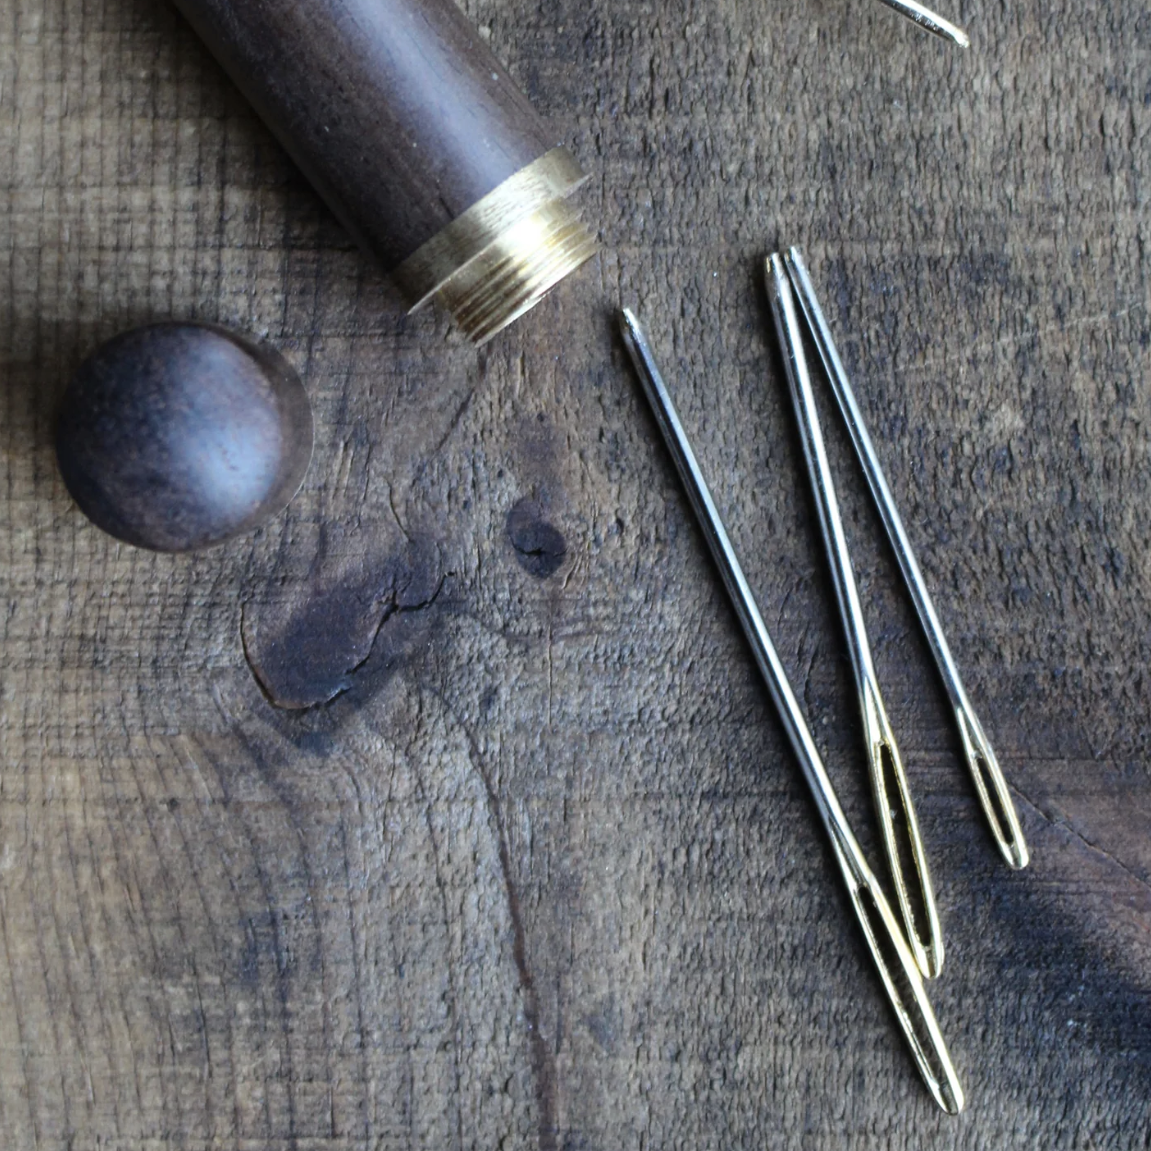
x=990 y=786
x=893 y=806
x=901 y=959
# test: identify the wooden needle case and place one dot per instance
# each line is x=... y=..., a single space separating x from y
x=417 y=138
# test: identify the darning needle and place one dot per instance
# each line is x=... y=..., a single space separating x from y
x=990 y=785
x=892 y=956
x=929 y=20
x=888 y=780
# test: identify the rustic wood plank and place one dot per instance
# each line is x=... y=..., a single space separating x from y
x=534 y=865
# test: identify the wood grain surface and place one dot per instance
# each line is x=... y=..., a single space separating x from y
x=447 y=811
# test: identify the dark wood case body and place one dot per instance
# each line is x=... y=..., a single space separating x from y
x=395 y=110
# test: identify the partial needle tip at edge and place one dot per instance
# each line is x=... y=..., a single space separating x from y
x=635 y=339
x=930 y=21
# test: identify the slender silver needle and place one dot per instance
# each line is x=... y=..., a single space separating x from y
x=897 y=967
x=902 y=843
x=986 y=774
x=929 y=20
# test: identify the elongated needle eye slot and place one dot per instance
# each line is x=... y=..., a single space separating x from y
x=901 y=832
x=1005 y=830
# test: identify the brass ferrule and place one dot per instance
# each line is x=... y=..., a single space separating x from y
x=498 y=259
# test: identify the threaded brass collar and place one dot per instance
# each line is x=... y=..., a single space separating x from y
x=499 y=258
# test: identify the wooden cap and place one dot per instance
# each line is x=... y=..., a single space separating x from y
x=179 y=436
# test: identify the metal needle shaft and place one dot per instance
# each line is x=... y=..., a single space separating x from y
x=990 y=785
x=930 y=21
x=889 y=950
x=902 y=843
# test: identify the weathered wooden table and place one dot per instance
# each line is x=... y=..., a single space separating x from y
x=448 y=811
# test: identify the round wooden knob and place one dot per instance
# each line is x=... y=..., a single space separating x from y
x=180 y=436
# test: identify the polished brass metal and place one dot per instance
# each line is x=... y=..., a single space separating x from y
x=499 y=258
x=511 y=275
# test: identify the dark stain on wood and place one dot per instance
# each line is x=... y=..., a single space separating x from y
x=307 y=651
x=540 y=549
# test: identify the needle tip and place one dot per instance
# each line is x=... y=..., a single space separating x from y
x=635 y=342
x=945 y=30
x=775 y=276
